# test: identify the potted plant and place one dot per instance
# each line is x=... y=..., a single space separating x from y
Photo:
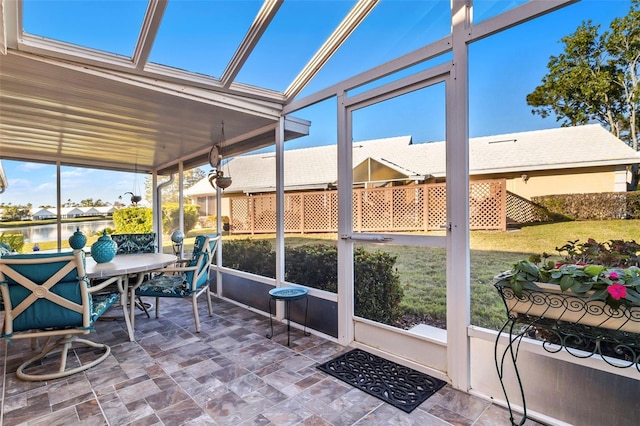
x=595 y=284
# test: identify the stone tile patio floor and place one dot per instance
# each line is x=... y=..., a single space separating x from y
x=228 y=374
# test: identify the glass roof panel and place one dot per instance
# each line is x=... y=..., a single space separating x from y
x=486 y=9
x=215 y=30
x=393 y=28
x=110 y=26
x=293 y=37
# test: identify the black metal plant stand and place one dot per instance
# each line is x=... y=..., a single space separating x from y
x=616 y=347
x=288 y=294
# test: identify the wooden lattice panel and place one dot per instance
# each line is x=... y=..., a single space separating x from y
x=293 y=214
x=521 y=210
x=395 y=209
x=376 y=208
x=486 y=208
x=320 y=211
x=264 y=213
x=408 y=208
x=240 y=214
x=436 y=207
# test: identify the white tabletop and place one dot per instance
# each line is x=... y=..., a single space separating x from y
x=124 y=264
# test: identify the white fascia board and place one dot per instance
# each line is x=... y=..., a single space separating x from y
x=562 y=166
x=104 y=60
x=270 y=110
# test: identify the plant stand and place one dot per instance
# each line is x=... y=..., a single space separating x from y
x=555 y=318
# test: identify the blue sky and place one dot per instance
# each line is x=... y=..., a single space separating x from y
x=503 y=68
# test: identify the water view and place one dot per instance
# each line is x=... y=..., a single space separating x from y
x=42 y=233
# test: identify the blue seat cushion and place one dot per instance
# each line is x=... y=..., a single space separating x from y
x=164 y=286
x=100 y=304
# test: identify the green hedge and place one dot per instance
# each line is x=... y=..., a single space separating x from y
x=133 y=220
x=378 y=292
x=598 y=206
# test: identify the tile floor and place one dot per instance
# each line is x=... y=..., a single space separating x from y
x=228 y=374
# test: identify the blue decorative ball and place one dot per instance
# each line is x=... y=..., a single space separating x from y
x=104 y=250
x=77 y=240
x=177 y=237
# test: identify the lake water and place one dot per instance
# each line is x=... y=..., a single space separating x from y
x=42 y=233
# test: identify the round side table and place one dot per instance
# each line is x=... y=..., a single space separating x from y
x=288 y=294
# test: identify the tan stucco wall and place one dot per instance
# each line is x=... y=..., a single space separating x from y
x=536 y=183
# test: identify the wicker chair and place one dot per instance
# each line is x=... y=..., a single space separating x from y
x=48 y=295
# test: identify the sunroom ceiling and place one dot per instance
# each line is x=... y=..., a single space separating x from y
x=60 y=101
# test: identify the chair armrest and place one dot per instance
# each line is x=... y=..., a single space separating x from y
x=106 y=283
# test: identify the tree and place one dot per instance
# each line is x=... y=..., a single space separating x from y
x=170 y=193
x=596 y=79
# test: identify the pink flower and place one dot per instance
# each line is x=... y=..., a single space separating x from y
x=617 y=291
x=614 y=275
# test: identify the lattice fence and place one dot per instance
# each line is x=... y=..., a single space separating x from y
x=400 y=208
x=520 y=210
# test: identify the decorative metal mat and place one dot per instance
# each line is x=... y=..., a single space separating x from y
x=400 y=386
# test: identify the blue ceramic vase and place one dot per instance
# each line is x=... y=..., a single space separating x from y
x=104 y=250
x=77 y=240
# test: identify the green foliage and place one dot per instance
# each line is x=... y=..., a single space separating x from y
x=607 y=271
x=613 y=253
x=171 y=217
x=14 y=240
x=249 y=255
x=378 y=292
x=171 y=192
x=133 y=220
x=14 y=213
x=596 y=206
x=596 y=79
x=377 y=286
x=313 y=265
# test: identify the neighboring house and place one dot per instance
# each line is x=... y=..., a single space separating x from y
x=73 y=212
x=104 y=210
x=43 y=214
x=566 y=160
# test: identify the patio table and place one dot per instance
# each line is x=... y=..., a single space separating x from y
x=125 y=265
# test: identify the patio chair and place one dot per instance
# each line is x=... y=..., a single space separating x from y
x=190 y=280
x=48 y=295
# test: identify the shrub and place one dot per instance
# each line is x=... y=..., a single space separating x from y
x=14 y=240
x=313 y=266
x=378 y=292
x=171 y=217
x=133 y=220
x=254 y=256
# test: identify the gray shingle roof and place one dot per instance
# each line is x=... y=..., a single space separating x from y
x=560 y=148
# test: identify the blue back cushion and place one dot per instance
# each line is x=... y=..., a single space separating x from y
x=198 y=244
x=43 y=313
x=135 y=243
x=204 y=264
x=41 y=272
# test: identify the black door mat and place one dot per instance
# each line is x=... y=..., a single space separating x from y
x=400 y=386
